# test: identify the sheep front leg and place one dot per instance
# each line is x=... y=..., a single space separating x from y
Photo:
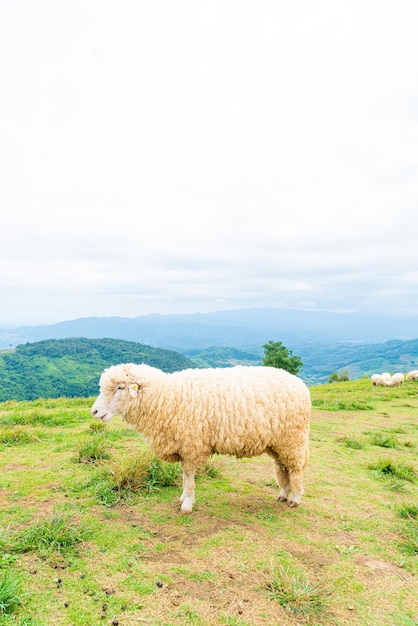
x=187 y=497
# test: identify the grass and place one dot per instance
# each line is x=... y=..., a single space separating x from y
x=294 y=593
x=93 y=450
x=389 y=468
x=106 y=529
x=58 y=533
x=11 y=594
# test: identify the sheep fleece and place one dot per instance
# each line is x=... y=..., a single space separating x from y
x=188 y=415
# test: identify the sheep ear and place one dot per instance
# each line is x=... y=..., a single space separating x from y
x=133 y=390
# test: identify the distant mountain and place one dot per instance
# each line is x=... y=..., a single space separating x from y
x=325 y=341
x=245 y=329
x=72 y=367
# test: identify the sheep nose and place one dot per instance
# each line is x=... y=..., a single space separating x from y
x=94 y=412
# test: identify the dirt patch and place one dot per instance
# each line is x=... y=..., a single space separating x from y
x=382 y=567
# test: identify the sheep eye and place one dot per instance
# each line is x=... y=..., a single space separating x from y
x=121 y=387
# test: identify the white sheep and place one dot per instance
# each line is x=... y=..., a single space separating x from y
x=397 y=379
x=377 y=380
x=387 y=378
x=381 y=379
x=189 y=415
x=412 y=375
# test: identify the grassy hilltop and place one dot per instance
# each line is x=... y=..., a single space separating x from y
x=90 y=531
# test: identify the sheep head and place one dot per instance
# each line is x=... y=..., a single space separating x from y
x=120 y=385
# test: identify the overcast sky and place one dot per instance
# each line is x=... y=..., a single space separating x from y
x=196 y=155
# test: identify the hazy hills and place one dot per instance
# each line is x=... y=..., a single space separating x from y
x=246 y=329
x=326 y=342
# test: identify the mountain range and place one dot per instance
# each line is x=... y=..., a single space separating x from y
x=326 y=341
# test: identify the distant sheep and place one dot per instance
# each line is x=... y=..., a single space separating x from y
x=377 y=380
x=412 y=375
x=397 y=379
x=189 y=415
x=385 y=380
x=381 y=379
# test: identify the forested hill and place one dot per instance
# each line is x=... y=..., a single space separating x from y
x=72 y=367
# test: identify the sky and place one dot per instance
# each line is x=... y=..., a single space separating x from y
x=193 y=156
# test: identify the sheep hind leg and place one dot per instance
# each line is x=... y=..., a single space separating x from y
x=283 y=480
x=187 y=497
x=296 y=486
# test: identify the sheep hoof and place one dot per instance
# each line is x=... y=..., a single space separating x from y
x=282 y=498
x=293 y=504
x=185 y=511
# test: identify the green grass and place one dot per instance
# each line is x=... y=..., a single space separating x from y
x=58 y=534
x=295 y=593
x=11 y=593
x=79 y=530
x=389 y=468
x=93 y=450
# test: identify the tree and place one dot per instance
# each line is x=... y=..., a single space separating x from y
x=277 y=355
x=338 y=378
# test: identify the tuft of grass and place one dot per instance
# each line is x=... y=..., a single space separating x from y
x=11 y=594
x=409 y=545
x=384 y=440
x=97 y=427
x=57 y=534
x=104 y=489
x=160 y=474
x=294 y=593
x=6 y=559
x=387 y=468
x=130 y=474
x=407 y=511
x=143 y=472
x=209 y=470
x=92 y=451
x=350 y=442
x=15 y=436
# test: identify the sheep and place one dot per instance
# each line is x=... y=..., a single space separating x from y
x=377 y=380
x=397 y=379
x=387 y=379
x=381 y=379
x=412 y=375
x=187 y=416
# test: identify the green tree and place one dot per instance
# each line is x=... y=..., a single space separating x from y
x=338 y=378
x=277 y=355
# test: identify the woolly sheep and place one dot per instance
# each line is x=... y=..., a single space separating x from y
x=187 y=416
x=397 y=379
x=381 y=379
x=412 y=375
x=377 y=380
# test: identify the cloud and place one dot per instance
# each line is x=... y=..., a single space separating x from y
x=189 y=156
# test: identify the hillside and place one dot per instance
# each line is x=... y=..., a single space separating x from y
x=72 y=367
x=91 y=532
x=223 y=357
x=358 y=359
